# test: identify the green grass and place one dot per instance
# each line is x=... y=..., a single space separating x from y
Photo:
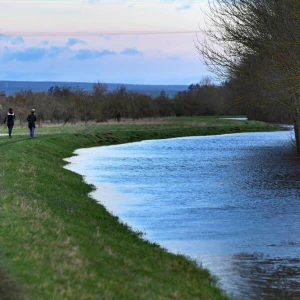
x=57 y=243
x=194 y=125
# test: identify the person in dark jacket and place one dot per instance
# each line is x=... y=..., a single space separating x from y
x=10 y=120
x=31 y=119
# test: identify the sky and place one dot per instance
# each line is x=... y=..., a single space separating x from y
x=109 y=41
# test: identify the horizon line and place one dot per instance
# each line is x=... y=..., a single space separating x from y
x=90 y=82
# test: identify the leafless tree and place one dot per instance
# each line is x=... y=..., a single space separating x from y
x=257 y=43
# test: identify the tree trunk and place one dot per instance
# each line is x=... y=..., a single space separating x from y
x=296 y=119
x=297 y=131
x=85 y=112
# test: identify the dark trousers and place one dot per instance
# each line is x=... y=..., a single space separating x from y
x=10 y=127
x=31 y=132
x=31 y=127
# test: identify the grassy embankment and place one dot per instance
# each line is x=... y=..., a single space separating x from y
x=57 y=243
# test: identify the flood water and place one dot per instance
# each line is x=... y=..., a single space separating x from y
x=232 y=202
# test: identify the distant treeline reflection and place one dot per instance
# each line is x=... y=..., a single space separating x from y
x=73 y=104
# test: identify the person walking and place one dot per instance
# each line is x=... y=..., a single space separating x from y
x=31 y=123
x=10 y=121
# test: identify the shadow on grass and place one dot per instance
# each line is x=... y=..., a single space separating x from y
x=9 y=289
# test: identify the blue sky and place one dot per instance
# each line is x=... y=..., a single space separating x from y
x=117 y=41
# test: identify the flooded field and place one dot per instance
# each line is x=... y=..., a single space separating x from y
x=232 y=202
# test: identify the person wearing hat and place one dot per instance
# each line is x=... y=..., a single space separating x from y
x=31 y=119
x=10 y=120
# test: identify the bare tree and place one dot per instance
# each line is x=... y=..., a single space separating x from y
x=257 y=43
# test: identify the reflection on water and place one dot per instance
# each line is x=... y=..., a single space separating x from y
x=231 y=201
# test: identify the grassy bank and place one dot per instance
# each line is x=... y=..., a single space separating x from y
x=57 y=243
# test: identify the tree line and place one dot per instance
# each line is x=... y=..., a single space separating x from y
x=71 y=105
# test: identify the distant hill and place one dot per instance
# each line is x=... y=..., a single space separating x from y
x=11 y=87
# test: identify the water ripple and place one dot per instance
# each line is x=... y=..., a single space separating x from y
x=232 y=202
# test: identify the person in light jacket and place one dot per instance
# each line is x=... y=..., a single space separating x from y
x=31 y=119
x=10 y=120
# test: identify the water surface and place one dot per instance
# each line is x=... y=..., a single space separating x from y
x=231 y=201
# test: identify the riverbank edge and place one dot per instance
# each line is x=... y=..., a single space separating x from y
x=35 y=217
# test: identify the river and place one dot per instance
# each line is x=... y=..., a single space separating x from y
x=230 y=201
